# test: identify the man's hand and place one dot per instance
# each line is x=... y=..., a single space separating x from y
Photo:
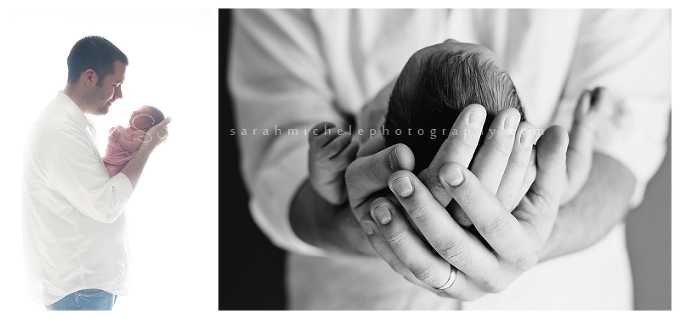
x=601 y=204
x=334 y=228
x=514 y=239
x=157 y=134
x=154 y=137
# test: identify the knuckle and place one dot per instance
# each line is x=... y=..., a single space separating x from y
x=435 y=186
x=496 y=227
x=424 y=273
x=526 y=261
x=419 y=214
x=501 y=143
x=492 y=285
x=519 y=157
x=456 y=253
x=374 y=170
x=468 y=142
x=396 y=239
x=353 y=176
x=466 y=198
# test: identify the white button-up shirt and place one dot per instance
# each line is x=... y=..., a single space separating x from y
x=296 y=68
x=74 y=224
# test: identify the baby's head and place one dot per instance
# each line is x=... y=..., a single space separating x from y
x=146 y=117
x=429 y=96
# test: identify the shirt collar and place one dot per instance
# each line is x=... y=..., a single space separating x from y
x=81 y=120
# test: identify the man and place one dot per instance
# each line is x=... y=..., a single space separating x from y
x=292 y=69
x=74 y=222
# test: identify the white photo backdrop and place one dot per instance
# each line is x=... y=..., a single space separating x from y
x=173 y=212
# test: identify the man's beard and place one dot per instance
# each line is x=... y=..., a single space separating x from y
x=97 y=107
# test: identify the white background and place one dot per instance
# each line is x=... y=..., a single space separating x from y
x=173 y=212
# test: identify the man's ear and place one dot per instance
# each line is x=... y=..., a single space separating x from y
x=89 y=78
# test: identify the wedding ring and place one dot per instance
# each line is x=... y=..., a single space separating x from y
x=452 y=278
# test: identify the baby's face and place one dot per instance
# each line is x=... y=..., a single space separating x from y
x=141 y=119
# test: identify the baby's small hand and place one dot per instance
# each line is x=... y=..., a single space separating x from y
x=330 y=152
x=592 y=108
x=116 y=134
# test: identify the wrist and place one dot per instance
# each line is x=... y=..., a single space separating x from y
x=323 y=225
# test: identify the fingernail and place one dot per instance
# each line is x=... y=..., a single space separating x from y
x=382 y=215
x=392 y=160
x=511 y=123
x=476 y=119
x=527 y=138
x=453 y=176
x=368 y=228
x=403 y=186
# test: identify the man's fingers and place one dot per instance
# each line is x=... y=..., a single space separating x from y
x=459 y=147
x=518 y=163
x=407 y=246
x=452 y=242
x=382 y=247
x=409 y=256
x=551 y=150
x=368 y=175
x=546 y=191
x=495 y=224
x=162 y=124
x=159 y=131
x=529 y=179
x=492 y=157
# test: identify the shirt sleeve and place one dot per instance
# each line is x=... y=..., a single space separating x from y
x=279 y=84
x=628 y=52
x=76 y=171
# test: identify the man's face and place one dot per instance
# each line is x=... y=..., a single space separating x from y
x=101 y=96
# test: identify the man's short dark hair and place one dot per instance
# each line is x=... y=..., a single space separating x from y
x=94 y=53
x=447 y=82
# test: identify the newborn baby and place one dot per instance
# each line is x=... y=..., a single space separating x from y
x=428 y=100
x=125 y=141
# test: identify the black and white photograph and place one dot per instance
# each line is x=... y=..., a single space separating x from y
x=447 y=159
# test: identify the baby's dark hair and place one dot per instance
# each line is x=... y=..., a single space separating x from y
x=447 y=82
x=157 y=115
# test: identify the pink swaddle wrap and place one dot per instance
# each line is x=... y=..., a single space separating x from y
x=116 y=156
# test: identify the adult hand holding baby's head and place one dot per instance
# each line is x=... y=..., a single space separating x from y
x=158 y=134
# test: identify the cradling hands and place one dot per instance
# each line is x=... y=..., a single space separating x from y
x=454 y=258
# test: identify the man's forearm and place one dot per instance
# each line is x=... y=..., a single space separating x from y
x=133 y=169
x=601 y=204
x=332 y=228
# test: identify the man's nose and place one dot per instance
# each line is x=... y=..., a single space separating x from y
x=118 y=93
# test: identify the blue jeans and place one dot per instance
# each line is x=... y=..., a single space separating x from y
x=86 y=299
